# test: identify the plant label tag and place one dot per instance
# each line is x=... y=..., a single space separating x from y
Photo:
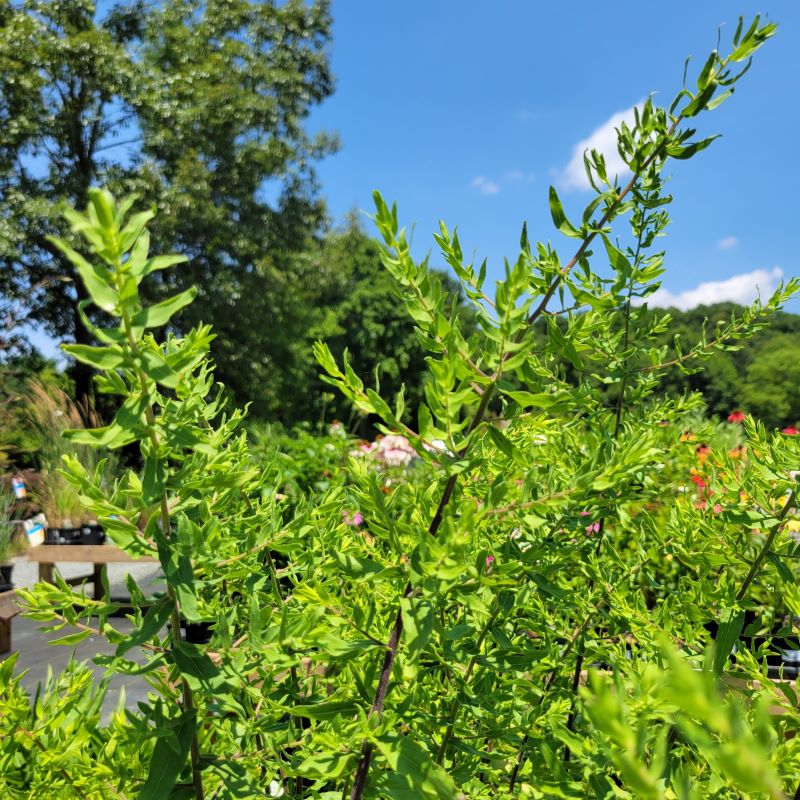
x=34 y=528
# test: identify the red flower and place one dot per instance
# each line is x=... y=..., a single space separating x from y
x=791 y=431
x=736 y=416
x=699 y=481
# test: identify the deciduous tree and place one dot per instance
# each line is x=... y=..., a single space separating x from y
x=199 y=106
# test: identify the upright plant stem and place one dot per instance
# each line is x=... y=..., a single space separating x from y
x=392 y=645
x=764 y=552
x=440 y=754
x=175 y=615
x=617 y=428
x=548 y=683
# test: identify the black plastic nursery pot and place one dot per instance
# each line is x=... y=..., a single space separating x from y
x=783 y=660
x=196 y=632
x=6 y=572
x=85 y=534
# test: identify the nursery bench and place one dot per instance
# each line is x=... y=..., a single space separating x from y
x=8 y=610
x=48 y=555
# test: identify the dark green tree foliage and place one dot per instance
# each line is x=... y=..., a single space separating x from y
x=228 y=87
x=361 y=313
x=65 y=87
x=761 y=376
x=200 y=107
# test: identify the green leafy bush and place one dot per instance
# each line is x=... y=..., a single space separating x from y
x=526 y=609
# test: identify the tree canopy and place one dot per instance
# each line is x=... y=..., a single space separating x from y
x=198 y=107
x=760 y=377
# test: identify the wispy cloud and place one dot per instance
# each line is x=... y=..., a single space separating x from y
x=604 y=140
x=742 y=289
x=727 y=242
x=485 y=185
x=520 y=176
x=524 y=114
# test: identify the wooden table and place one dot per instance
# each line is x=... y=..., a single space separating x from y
x=48 y=555
x=8 y=610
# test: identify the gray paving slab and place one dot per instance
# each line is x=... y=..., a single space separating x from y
x=147 y=575
x=37 y=656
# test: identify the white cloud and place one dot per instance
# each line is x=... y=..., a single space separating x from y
x=742 y=289
x=520 y=176
x=727 y=242
x=604 y=140
x=485 y=186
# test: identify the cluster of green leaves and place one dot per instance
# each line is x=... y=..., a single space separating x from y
x=300 y=463
x=55 y=746
x=441 y=648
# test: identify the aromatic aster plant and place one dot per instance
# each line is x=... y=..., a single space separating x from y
x=550 y=605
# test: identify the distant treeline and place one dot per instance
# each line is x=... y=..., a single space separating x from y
x=762 y=378
x=759 y=375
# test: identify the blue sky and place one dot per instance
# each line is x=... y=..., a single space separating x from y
x=467 y=111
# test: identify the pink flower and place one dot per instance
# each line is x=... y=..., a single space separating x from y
x=395 y=451
x=336 y=428
x=353 y=520
x=593 y=528
x=736 y=416
x=364 y=448
x=489 y=562
x=791 y=431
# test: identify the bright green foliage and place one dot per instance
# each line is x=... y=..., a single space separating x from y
x=439 y=647
x=55 y=748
